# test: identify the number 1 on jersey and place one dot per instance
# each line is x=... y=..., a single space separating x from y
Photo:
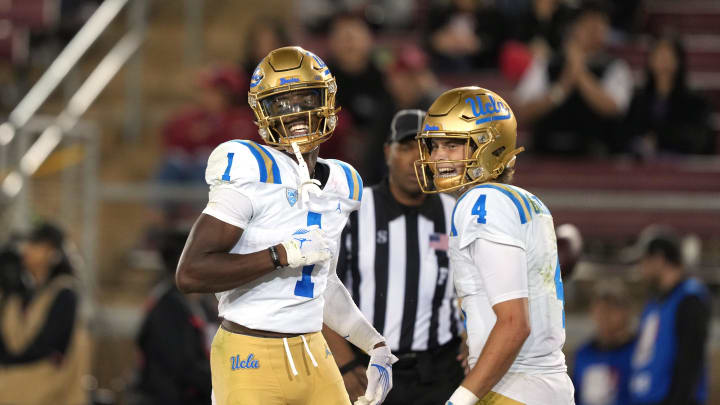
x=226 y=175
x=304 y=287
x=479 y=209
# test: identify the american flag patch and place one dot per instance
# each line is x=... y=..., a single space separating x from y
x=439 y=241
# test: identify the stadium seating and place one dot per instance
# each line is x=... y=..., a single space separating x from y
x=691 y=17
x=626 y=187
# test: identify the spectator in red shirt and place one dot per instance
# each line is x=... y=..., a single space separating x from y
x=221 y=114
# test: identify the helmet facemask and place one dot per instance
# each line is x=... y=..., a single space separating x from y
x=476 y=152
x=436 y=176
x=297 y=116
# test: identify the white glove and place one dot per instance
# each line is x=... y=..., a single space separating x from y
x=379 y=376
x=307 y=246
x=462 y=396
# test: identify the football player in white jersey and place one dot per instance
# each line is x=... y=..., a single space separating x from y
x=503 y=253
x=267 y=245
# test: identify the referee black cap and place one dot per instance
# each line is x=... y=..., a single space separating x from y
x=405 y=124
x=655 y=240
x=667 y=246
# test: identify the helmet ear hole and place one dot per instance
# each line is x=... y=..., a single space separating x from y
x=497 y=152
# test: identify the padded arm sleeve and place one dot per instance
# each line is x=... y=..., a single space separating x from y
x=230 y=206
x=503 y=269
x=344 y=317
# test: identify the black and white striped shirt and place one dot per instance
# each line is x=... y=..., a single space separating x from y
x=394 y=261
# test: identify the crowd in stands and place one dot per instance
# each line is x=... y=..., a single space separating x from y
x=553 y=59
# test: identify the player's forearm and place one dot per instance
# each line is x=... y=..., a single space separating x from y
x=207 y=266
x=345 y=318
x=502 y=347
x=340 y=348
x=209 y=272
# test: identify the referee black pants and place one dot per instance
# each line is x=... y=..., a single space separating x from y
x=426 y=378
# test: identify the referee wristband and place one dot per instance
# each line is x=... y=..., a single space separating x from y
x=349 y=366
x=275 y=257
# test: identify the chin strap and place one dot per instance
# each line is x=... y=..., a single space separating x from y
x=307 y=185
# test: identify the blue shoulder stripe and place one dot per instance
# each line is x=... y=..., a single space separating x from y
x=513 y=198
x=354 y=181
x=510 y=194
x=269 y=170
x=524 y=198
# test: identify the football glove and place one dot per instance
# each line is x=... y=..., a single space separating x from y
x=307 y=246
x=379 y=376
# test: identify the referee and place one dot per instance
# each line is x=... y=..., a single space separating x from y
x=394 y=262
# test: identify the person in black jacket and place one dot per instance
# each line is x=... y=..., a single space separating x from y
x=175 y=363
x=665 y=116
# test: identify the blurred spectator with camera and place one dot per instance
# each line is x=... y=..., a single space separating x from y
x=575 y=101
x=602 y=365
x=666 y=116
x=669 y=364
x=44 y=348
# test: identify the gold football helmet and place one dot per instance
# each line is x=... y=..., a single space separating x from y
x=292 y=94
x=487 y=126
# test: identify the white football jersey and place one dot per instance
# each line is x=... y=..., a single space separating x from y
x=288 y=300
x=509 y=215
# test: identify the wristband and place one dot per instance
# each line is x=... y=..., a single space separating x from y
x=349 y=366
x=463 y=396
x=275 y=257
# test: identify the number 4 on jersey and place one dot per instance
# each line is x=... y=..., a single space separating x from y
x=479 y=209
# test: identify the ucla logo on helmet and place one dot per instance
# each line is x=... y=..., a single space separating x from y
x=492 y=110
x=320 y=64
x=256 y=77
